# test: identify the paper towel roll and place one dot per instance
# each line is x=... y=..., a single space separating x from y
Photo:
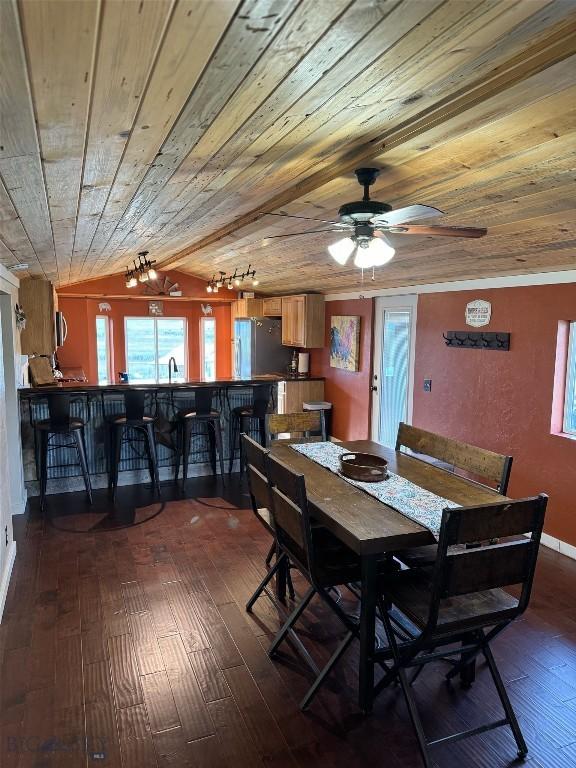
x=303 y=362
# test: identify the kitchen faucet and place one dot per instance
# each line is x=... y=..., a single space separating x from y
x=172 y=360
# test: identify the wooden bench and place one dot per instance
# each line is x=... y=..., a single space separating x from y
x=493 y=468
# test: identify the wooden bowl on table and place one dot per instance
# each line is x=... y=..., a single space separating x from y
x=365 y=467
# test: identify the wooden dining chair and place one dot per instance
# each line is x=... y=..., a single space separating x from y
x=302 y=427
x=323 y=560
x=465 y=601
x=493 y=468
x=255 y=456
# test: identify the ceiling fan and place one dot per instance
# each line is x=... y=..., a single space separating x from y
x=366 y=223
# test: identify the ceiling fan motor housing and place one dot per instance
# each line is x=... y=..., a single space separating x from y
x=362 y=210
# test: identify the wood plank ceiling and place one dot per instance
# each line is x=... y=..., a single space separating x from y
x=179 y=126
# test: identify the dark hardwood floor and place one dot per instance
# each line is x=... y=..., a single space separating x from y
x=132 y=648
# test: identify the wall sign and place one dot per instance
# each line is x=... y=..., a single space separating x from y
x=478 y=313
x=155 y=307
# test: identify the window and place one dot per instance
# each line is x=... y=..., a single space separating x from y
x=103 y=349
x=570 y=399
x=208 y=347
x=150 y=343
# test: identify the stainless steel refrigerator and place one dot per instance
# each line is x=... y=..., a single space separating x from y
x=258 y=348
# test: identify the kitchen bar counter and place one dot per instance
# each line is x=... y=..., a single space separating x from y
x=75 y=386
x=94 y=403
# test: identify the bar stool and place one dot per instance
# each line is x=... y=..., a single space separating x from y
x=136 y=418
x=59 y=422
x=200 y=413
x=243 y=416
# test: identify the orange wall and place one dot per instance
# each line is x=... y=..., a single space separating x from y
x=502 y=400
x=348 y=391
x=81 y=311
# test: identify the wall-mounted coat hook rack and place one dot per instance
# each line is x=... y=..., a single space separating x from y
x=478 y=340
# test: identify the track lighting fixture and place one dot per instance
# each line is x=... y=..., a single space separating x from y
x=232 y=280
x=141 y=272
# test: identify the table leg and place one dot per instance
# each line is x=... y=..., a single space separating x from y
x=367 y=633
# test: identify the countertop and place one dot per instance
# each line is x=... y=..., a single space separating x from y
x=229 y=382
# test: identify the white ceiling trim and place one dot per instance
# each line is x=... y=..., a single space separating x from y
x=509 y=281
x=9 y=277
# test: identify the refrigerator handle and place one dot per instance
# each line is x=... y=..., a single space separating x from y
x=237 y=357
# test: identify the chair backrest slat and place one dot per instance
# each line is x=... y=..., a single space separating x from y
x=259 y=488
x=493 y=521
x=59 y=410
x=255 y=457
x=203 y=397
x=477 y=570
x=138 y=403
x=261 y=397
x=254 y=453
x=287 y=517
x=306 y=424
x=494 y=467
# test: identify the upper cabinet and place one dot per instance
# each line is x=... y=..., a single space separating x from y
x=38 y=299
x=303 y=320
x=272 y=306
x=247 y=308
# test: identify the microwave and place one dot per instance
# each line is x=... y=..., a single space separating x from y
x=61 y=328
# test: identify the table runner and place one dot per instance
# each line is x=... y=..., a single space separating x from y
x=412 y=501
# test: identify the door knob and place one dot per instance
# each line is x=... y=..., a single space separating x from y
x=373 y=389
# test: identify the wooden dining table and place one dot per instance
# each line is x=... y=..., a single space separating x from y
x=371 y=528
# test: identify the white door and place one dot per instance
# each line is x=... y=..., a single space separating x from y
x=393 y=373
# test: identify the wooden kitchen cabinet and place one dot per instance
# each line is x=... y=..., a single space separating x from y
x=38 y=299
x=247 y=308
x=272 y=306
x=303 y=320
x=292 y=393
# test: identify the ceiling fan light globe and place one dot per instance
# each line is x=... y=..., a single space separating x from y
x=363 y=259
x=143 y=278
x=208 y=289
x=380 y=252
x=152 y=274
x=341 y=250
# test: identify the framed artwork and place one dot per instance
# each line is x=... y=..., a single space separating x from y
x=345 y=342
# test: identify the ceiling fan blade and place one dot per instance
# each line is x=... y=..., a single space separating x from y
x=409 y=213
x=310 y=232
x=305 y=218
x=435 y=231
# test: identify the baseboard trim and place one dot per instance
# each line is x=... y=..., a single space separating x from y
x=21 y=506
x=559 y=546
x=6 y=576
x=75 y=483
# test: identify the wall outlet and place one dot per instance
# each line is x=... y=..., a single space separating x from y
x=427 y=385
